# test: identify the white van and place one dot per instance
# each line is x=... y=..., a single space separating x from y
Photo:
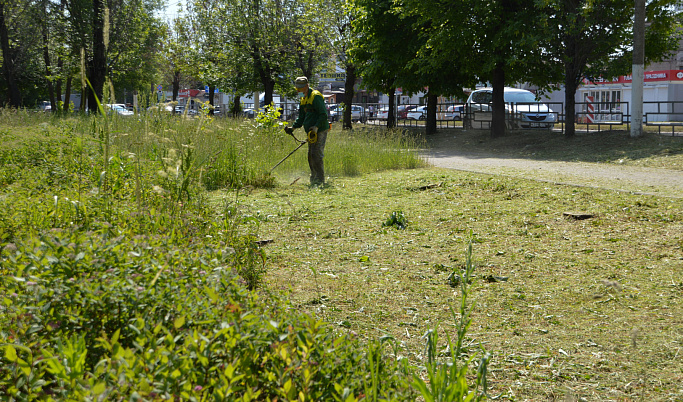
x=524 y=110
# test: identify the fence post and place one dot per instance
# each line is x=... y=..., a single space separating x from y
x=590 y=108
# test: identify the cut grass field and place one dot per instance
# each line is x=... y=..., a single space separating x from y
x=589 y=310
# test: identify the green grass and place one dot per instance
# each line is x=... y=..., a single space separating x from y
x=120 y=278
x=589 y=310
x=568 y=308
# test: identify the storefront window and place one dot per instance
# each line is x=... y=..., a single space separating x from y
x=606 y=104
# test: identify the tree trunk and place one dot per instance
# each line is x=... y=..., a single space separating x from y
x=391 y=117
x=430 y=127
x=176 y=88
x=98 y=67
x=306 y=62
x=176 y=85
x=48 y=73
x=212 y=88
x=269 y=88
x=60 y=68
x=348 y=95
x=8 y=61
x=498 y=114
x=67 y=96
x=236 y=106
x=570 y=87
x=58 y=84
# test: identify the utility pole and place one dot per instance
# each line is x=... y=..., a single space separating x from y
x=638 y=69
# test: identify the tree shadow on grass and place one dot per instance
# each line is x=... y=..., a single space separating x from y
x=605 y=146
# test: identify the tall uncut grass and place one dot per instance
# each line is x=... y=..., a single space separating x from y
x=160 y=161
x=237 y=152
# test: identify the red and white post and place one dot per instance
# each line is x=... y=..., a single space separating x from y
x=590 y=108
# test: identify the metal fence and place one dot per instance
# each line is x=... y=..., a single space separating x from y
x=597 y=115
x=663 y=115
x=589 y=116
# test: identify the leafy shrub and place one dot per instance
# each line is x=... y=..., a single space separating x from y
x=269 y=118
x=106 y=317
x=397 y=220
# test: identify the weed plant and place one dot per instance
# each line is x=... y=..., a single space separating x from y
x=396 y=220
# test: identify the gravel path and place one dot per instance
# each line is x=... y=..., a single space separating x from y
x=637 y=180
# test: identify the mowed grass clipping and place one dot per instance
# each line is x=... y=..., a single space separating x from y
x=569 y=308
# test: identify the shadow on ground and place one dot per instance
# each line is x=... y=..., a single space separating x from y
x=605 y=147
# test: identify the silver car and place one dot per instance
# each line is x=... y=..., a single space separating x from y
x=336 y=113
x=522 y=107
x=454 y=113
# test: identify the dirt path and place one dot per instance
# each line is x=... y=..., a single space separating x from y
x=637 y=180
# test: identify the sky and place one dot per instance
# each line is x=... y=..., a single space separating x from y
x=171 y=10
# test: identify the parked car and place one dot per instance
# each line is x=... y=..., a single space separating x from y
x=454 y=113
x=119 y=109
x=524 y=110
x=336 y=113
x=333 y=111
x=382 y=113
x=248 y=113
x=418 y=113
x=161 y=108
x=401 y=112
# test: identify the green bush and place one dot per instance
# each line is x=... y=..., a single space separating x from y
x=94 y=316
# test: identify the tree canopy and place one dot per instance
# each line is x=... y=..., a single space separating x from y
x=262 y=45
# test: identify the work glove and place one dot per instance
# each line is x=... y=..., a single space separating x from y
x=289 y=130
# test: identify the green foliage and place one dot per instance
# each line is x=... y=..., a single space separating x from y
x=122 y=317
x=233 y=109
x=269 y=118
x=447 y=379
x=397 y=220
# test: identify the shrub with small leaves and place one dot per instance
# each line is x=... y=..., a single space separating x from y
x=397 y=220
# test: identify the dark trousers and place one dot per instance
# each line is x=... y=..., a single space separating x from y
x=316 y=152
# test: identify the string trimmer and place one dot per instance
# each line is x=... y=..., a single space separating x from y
x=301 y=144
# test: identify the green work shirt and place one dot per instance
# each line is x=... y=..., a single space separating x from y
x=312 y=112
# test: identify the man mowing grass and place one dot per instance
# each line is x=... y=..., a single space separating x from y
x=313 y=118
